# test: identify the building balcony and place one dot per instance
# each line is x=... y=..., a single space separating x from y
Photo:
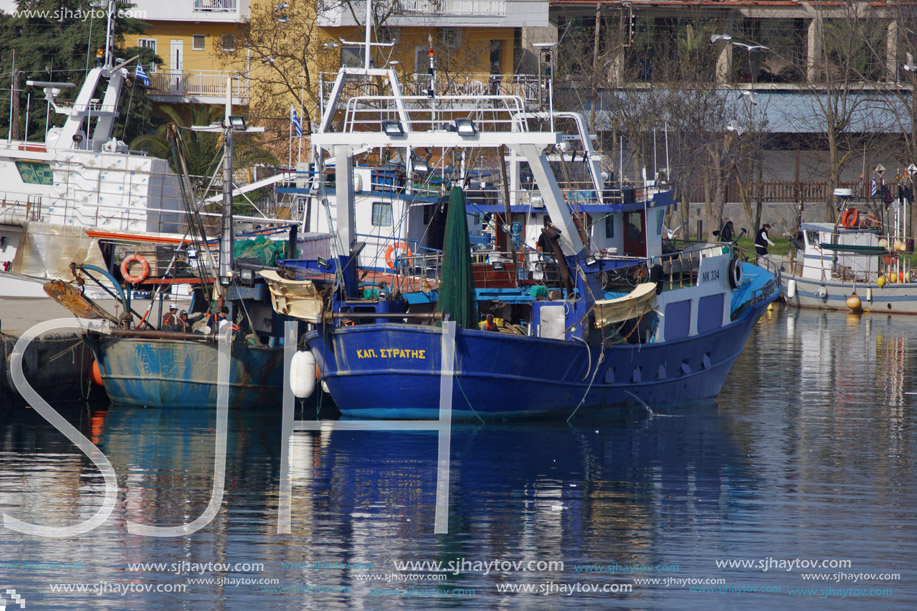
x=452 y=7
x=215 y=6
x=201 y=87
x=199 y=11
x=448 y=13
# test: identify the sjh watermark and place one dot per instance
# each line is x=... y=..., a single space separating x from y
x=101 y=462
x=78 y=14
x=10 y=596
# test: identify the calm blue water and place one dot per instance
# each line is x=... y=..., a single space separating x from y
x=807 y=456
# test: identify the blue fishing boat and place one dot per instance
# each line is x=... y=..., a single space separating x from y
x=153 y=370
x=612 y=314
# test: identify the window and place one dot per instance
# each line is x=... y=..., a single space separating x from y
x=382 y=214
x=228 y=42
x=197 y=42
x=35 y=173
x=609 y=226
x=351 y=57
x=451 y=37
x=147 y=43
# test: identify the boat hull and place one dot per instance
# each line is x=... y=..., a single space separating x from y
x=175 y=373
x=888 y=299
x=393 y=371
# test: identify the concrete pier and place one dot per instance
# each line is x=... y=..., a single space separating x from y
x=56 y=365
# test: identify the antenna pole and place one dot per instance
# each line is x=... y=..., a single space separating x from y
x=369 y=27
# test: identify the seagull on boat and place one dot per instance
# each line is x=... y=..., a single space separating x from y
x=909 y=66
x=750 y=48
x=717 y=37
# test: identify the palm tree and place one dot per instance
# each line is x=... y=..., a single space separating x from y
x=203 y=150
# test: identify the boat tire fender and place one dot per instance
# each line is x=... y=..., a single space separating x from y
x=390 y=251
x=657 y=276
x=735 y=273
x=144 y=269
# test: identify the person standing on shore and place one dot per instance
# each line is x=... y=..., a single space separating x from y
x=762 y=241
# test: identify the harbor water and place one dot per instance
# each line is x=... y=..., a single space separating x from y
x=796 y=489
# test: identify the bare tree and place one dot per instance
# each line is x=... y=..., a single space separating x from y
x=283 y=52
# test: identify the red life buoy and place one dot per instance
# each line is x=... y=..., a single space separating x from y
x=391 y=249
x=144 y=271
x=850 y=218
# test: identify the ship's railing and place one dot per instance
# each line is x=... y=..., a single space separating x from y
x=488 y=113
x=15 y=211
x=679 y=269
x=528 y=87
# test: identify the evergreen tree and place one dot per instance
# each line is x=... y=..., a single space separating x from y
x=56 y=40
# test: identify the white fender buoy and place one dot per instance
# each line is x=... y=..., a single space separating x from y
x=869 y=294
x=791 y=289
x=302 y=374
x=357 y=183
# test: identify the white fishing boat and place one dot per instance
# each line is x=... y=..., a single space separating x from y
x=861 y=263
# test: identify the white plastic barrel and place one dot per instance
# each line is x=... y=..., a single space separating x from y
x=302 y=374
x=791 y=289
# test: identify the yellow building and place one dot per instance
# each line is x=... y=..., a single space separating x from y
x=478 y=44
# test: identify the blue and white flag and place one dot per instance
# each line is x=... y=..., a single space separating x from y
x=294 y=119
x=140 y=73
x=875 y=189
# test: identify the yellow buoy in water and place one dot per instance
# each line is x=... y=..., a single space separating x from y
x=881 y=281
x=853 y=302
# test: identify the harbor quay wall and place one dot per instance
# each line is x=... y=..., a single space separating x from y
x=780 y=215
x=57 y=364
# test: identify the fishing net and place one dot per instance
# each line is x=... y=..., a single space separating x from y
x=456 y=294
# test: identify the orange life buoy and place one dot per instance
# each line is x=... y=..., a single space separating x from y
x=850 y=218
x=391 y=248
x=144 y=271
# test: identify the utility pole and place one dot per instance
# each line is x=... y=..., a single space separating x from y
x=14 y=101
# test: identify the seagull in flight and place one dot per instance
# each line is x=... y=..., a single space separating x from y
x=909 y=66
x=672 y=232
x=751 y=48
x=717 y=37
x=735 y=127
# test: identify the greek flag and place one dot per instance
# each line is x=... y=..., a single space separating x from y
x=875 y=189
x=140 y=73
x=294 y=119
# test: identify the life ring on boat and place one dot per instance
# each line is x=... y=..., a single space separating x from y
x=391 y=249
x=850 y=219
x=735 y=273
x=144 y=269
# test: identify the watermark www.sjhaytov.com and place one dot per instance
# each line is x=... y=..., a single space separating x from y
x=78 y=14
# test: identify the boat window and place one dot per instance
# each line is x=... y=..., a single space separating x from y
x=812 y=238
x=710 y=313
x=382 y=214
x=351 y=57
x=634 y=226
x=35 y=172
x=660 y=217
x=677 y=319
x=609 y=226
